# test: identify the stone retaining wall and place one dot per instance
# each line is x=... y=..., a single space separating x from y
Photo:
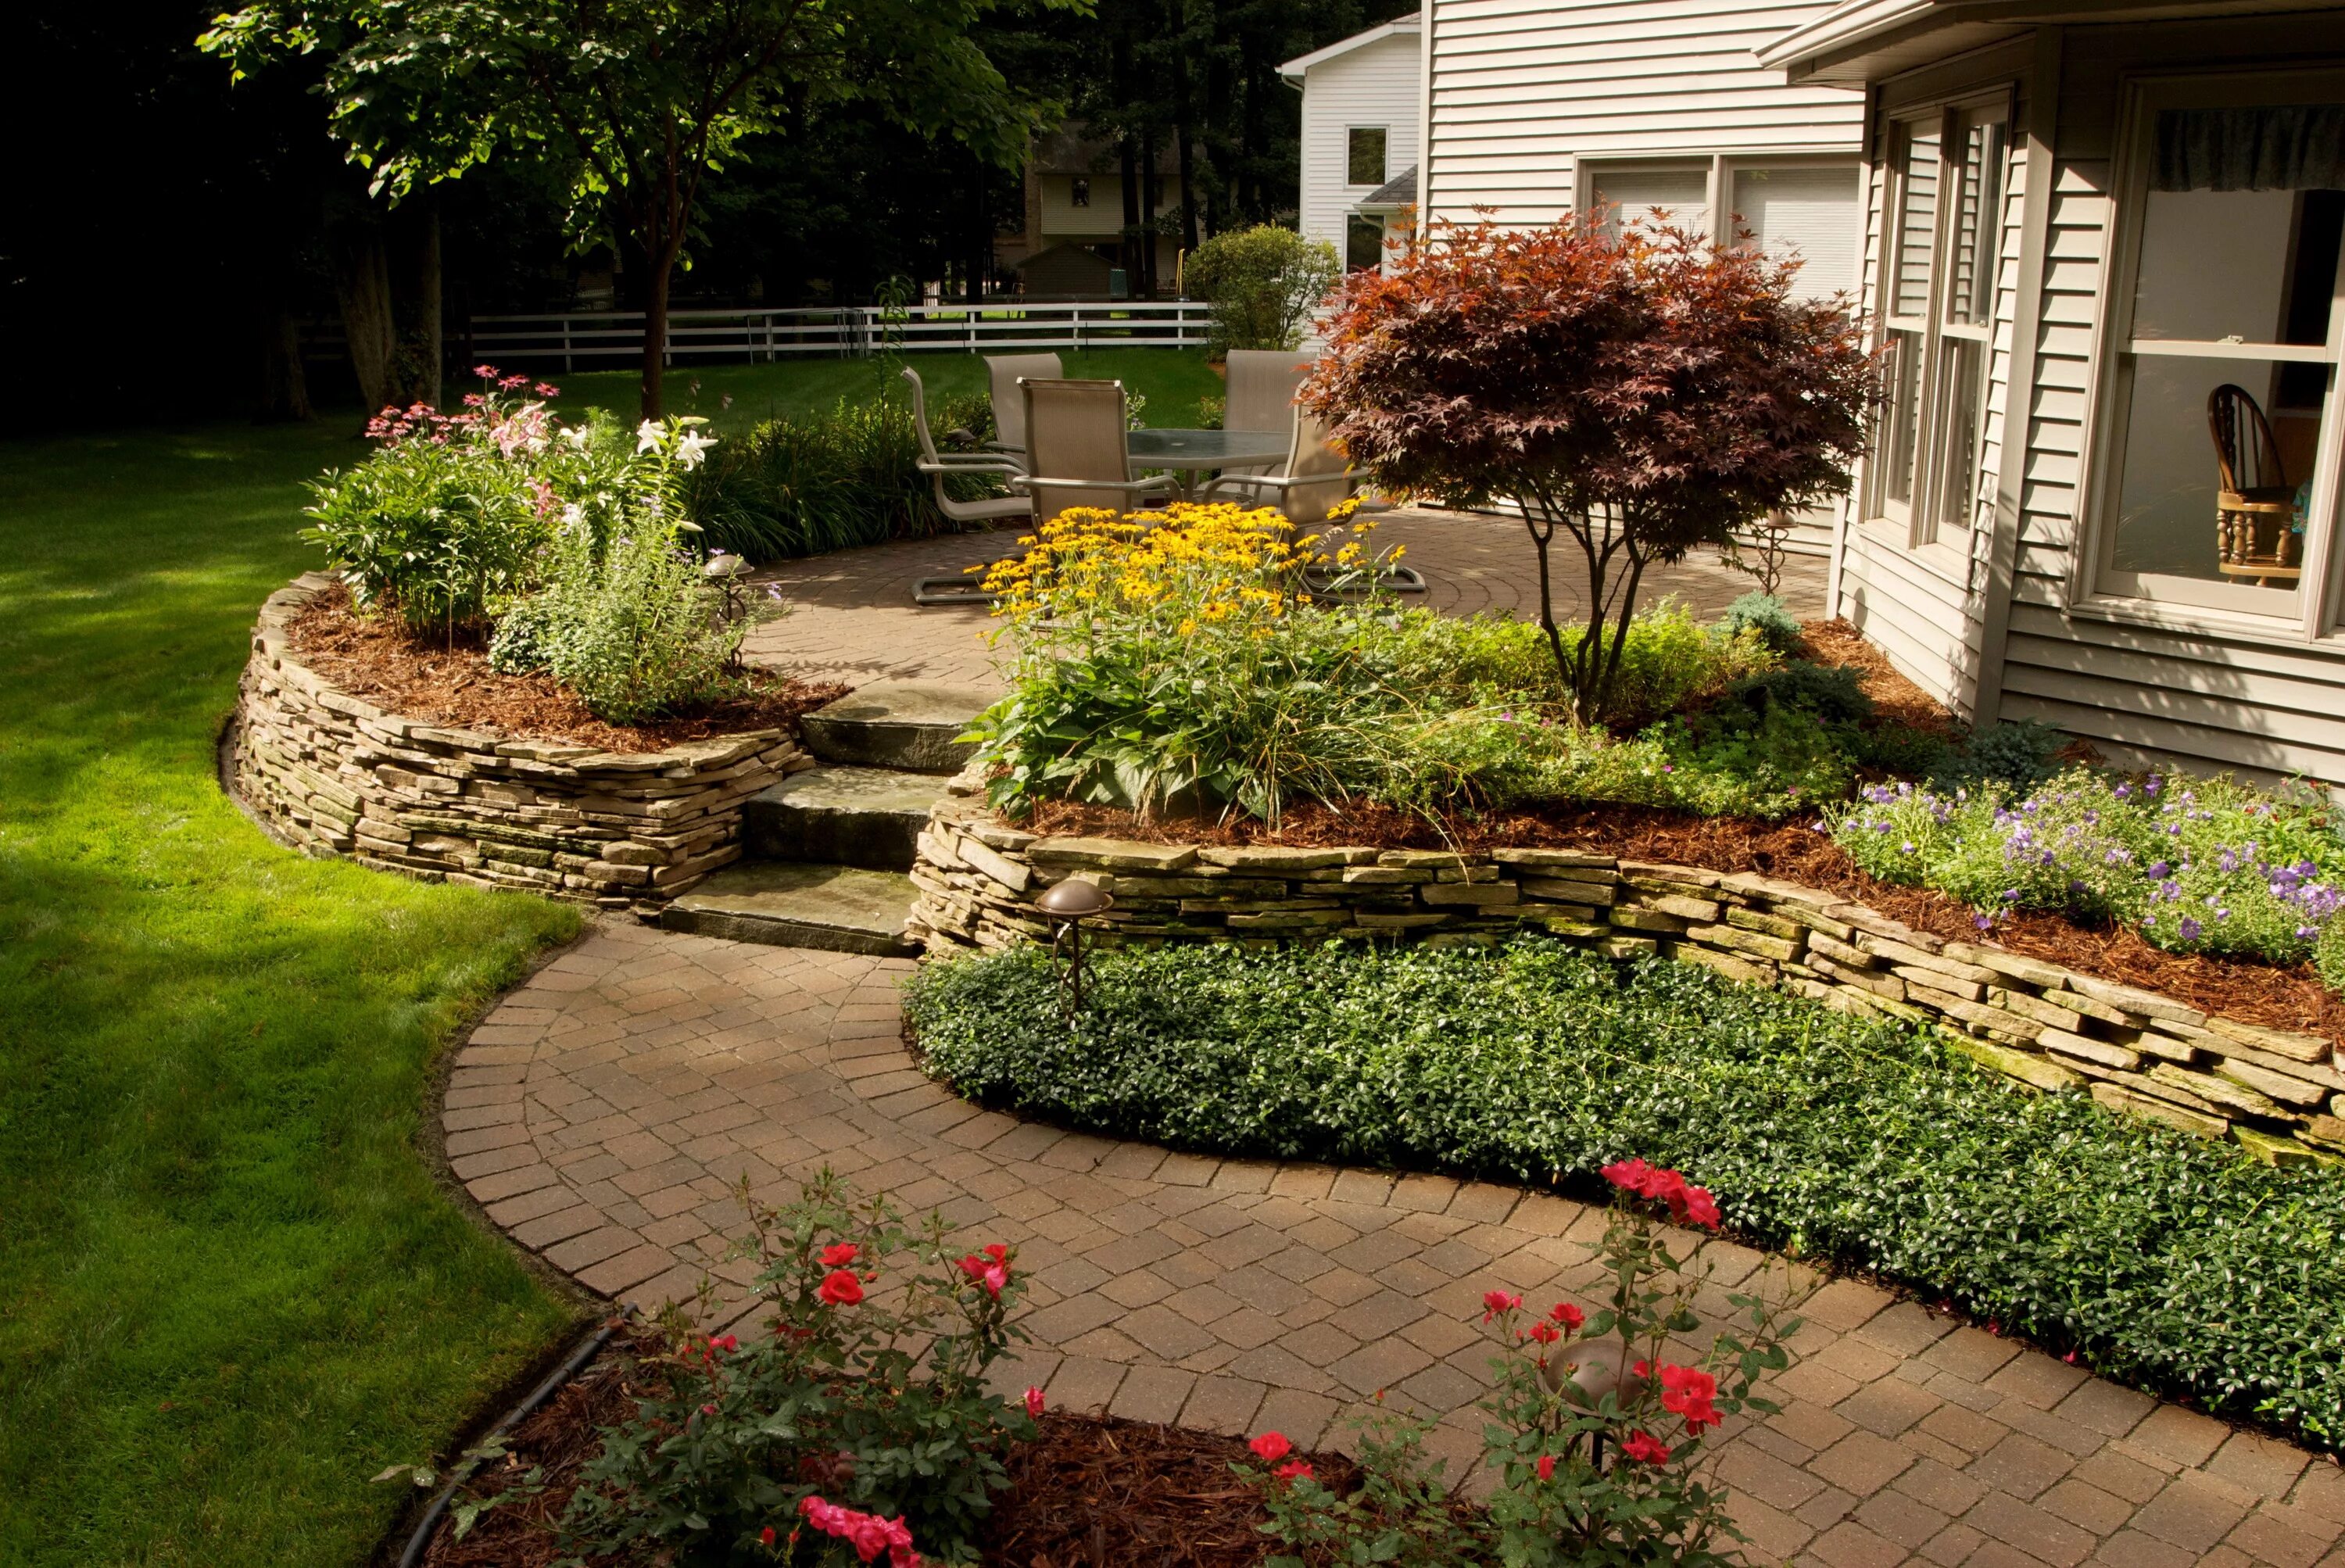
x=2280 y=1094
x=337 y=775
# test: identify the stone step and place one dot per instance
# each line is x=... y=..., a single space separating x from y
x=866 y=817
x=903 y=724
x=841 y=909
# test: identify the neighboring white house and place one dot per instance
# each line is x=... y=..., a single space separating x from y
x=1360 y=121
x=2095 y=229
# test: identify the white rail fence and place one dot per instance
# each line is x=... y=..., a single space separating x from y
x=613 y=338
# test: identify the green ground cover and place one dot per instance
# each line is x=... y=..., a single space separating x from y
x=2175 y=1263
x=229 y=1289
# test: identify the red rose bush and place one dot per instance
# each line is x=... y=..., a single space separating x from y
x=1599 y=1426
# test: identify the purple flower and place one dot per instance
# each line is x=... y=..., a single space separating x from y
x=2188 y=929
x=2159 y=867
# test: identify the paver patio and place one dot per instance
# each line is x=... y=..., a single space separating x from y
x=604 y=1113
x=852 y=616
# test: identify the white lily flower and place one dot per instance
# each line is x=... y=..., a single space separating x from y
x=578 y=435
x=693 y=448
x=647 y=436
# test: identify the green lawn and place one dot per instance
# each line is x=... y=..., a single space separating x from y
x=1171 y=380
x=229 y=1289
x=230 y=1292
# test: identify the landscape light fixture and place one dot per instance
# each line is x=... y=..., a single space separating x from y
x=1069 y=903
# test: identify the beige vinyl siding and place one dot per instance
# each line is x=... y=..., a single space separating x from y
x=1373 y=84
x=1521 y=90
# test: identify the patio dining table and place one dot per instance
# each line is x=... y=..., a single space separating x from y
x=1189 y=453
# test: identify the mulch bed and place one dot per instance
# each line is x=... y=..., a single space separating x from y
x=454 y=687
x=1092 y=1493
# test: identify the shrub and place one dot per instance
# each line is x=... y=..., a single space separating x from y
x=2196 y=865
x=438 y=534
x=1763 y=613
x=1576 y=1479
x=631 y=627
x=2019 y=754
x=1262 y=284
x=1866 y=1142
x=833 y=481
x=865 y=1391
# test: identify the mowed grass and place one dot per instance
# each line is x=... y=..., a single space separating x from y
x=230 y=1292
x=1173 y=380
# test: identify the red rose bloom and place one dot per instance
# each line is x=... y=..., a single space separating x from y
x=1547 y=1467
x=1570 y=1316
x=1546 y=1333
x=1645 y=1449
x=1271 y=1447
x=841 y=1288
x=839 y=1255
x=1629 y=1176
x=766 y=1536
x=1687 y=1392
x=1494 y=1302
x=1292 y=1470
x=1033 y=1401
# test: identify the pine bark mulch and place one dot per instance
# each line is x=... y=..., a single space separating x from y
x=1094 y=1491
x=454 y=687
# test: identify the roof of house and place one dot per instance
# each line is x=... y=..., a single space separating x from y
x=1862 y=41
x=1395 y=193
x=1292 y=70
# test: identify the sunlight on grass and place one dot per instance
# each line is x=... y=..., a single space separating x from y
x=232 y=1291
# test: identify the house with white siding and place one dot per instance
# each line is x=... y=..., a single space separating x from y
x=2103 y=259
x=1359 y=141
x=1535 y=110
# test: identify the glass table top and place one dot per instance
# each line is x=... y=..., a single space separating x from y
x=1192 y=449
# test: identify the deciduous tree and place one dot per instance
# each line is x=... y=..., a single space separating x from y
x=639 y=101
x=1642 y=392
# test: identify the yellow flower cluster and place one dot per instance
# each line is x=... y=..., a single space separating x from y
x=1188 y=566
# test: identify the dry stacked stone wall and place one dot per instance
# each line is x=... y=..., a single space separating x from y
x=2278 y=1092
x=337 y=775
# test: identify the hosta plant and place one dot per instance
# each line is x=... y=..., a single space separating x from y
x=1599 y=1422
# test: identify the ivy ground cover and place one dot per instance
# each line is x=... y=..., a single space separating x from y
x=2176 y=1265
x=232 y=1290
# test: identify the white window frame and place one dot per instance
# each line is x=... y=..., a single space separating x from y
x=1921 y=515
x=2185 y=604
x=1719 y=170
x=1351 y=184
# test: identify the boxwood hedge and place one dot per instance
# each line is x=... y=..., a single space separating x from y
x=2173 y=1263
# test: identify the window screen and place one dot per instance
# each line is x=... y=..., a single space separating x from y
x=1810 y=213
x=1364 y=155
x=1628 y=197
x=1363 y=242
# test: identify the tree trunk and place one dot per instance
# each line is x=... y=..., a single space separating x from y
x=654 y=368
x=1130 y=168
x=1184 y=153
x=354 y=251
x=284 y=389
x=1152 y=195
x=413 y=273
x=981 y=230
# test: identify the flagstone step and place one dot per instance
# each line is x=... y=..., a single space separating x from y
x=783 y=903
x=912 y=725
x=866 y=817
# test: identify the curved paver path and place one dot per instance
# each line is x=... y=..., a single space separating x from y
x=605 y=1110
x=852 y=616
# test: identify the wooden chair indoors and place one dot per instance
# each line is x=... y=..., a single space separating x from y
x=2255 y=512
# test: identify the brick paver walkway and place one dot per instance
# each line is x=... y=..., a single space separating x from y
x=604 y=1113
x=852 y=616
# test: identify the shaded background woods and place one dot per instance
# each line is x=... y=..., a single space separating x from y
x=173 y=242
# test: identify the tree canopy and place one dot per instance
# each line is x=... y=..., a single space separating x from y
x=637 y=102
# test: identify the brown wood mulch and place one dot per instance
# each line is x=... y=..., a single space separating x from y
x=1094 y=1491
x=454 y=687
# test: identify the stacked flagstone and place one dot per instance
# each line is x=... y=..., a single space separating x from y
x=2279 y=1092
x=337 y=775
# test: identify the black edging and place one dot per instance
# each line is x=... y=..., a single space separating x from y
x=551 y=1384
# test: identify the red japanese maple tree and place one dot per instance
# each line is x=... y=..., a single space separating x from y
x=1644 y=392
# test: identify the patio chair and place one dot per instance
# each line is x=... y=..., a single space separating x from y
x=1002 y=374
x=1313 y=479
x=2254 y=510
x=1076 y=454
x=1262 y=387
x=984 y=512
